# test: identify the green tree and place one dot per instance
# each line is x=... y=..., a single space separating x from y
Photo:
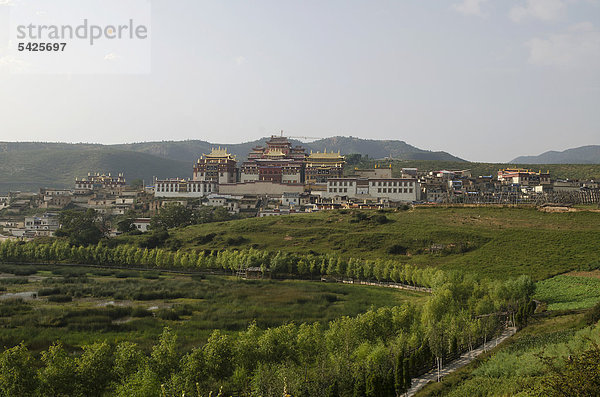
x=164 y=359
x=56 y=377
x=218 y=353
x=171 y=216
x=17 y=372
x=94 y=369
x=128 y=359
x=81 y=227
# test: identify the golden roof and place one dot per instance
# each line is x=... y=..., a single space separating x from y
x=325 y=155
x=220 y=152
x=275 y=153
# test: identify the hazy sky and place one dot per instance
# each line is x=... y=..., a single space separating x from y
x=484 y=80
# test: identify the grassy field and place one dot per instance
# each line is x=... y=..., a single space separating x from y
x=493 y=242
x=515 y=367
x=81 y=305
x=571 y=291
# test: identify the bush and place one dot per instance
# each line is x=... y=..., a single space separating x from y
x=593 y=315
x=151 y=275
x=397 y=249
x=139 y=311
x=380 y=219
x=127 y=274
x=14 y=280
x=49 y=291
x=59 y=298
x=167 y=314
x=236 y=240
x=204 y=239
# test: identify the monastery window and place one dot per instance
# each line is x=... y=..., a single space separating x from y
x=410 y=190
x=379 y=190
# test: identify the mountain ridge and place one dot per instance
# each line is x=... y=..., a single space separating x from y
x=190 y=150
x=589 y=154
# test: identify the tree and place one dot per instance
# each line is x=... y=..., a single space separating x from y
x=171 y=216
x=126 y=225
x=128 y=359
x=218 y=353
x=137 y=183
x=56 y=377
x=82 y=228
x=164 y=359
x=17 y=372
x=94 y=369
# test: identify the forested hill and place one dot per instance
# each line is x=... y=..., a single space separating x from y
x=581 y=155
x=58 y=166
x=190 y=150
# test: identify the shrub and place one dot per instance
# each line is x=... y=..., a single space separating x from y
x=49 y=291
x=380 y=219
x=593 y=315
x=139 y=311
x=236 y=240
x=151 y=275
x=203 y=239
x=167 y=314
x=59 y=298
x=397 y=249
x=14 y=280
x=127 y=274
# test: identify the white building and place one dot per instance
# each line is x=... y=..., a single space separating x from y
x=183 y=188
x=392 y=189
x=141 y=224
x=44 y=225
x=231 y=203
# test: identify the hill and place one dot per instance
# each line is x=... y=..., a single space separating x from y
x=486 y=241
x=57 y=166
x=582 y=155
x=190 y=150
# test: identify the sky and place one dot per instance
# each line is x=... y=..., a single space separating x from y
x=484 y=80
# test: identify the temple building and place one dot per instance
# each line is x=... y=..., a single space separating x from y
x=278 y=162
x=218 y=166
x=322 y=166
x=97 y=180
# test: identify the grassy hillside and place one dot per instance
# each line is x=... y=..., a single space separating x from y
x=494 y=242
x=30 y=170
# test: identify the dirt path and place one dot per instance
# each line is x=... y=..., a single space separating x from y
x=418 y=383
